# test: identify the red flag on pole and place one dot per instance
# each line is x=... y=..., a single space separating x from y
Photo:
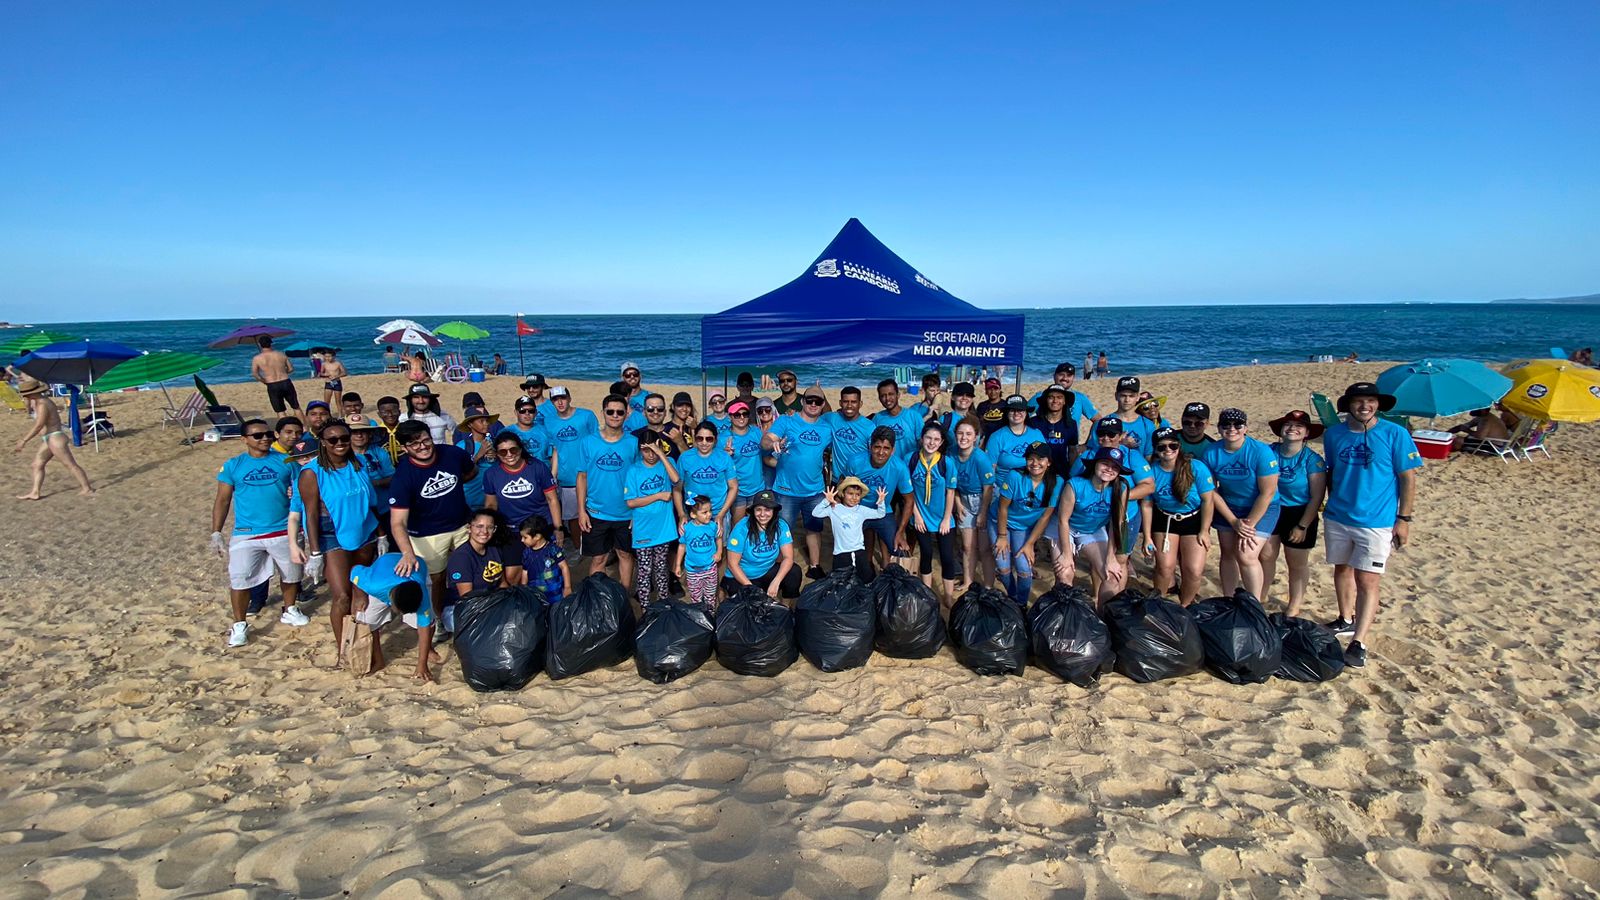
x=524 y=328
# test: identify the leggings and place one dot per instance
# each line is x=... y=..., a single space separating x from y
x=949 y=566
x=859 y=560
x=651 y=576
x=701 y=586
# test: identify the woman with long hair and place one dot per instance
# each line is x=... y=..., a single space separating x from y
x=974 y=490
x=1302 y=483
x=1024 y=508
x=761 y=551
x=1093 y=513
x=933 y=493
x=1179 y=526
x=708 y=471
x=337 y=496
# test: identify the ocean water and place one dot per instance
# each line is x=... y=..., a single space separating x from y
x=1137 y=339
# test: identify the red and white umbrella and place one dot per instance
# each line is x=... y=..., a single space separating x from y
x=398 y=324
x=413 y=336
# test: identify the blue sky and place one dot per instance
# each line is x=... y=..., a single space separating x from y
x=171 y=160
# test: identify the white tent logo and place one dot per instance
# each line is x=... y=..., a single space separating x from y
x=926 y=283
x=828 y=268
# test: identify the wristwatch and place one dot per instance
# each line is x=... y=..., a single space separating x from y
x=1400 y=518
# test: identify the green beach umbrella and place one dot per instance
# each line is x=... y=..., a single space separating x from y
x=32 y=340
x=461 y=331
x=152 y=368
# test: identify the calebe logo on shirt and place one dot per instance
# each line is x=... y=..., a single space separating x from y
x=1233 y=470
x=567 y=433
x=438 y=485
x=1356 y=454
x=702 y=542
x=655 y=484
x=517 y=488
x=809 y=436
x=705 y=474
x=263 y=476
x=610 y=461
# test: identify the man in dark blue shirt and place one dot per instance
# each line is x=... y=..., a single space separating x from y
x=428 y=510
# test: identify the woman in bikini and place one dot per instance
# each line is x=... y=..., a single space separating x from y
x=47 y=428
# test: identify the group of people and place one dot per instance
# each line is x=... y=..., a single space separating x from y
x=435 y=508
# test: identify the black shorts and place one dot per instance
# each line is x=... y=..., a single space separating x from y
x=605 y=536
x=1290 y=517
x=1161 y=523
x=282 y=396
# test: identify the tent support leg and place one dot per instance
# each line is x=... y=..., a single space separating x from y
x=703 y=388
x=1019 y=379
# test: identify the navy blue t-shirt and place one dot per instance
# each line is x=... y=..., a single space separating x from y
x=435 y=494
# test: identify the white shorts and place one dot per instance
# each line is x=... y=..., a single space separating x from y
x=251 y=560
x=569 y=503
x=375 y=616
x=1366 y=549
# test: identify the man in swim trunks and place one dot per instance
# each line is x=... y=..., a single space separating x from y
x=334 y=372
x=273 y=369
x=52 y=438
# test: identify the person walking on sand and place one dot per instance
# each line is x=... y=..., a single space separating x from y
x=53 y=438
x=1372 y=489
x=333 y=373
x=273 y=369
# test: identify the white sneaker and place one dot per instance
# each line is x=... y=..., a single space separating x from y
x=236 y=637
x=293 y=616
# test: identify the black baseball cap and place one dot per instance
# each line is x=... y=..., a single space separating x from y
x=1198 y=409
x=534 y=379
x=1066 y=368
x=1128 y=383
x=1108 y=425
x=682 y=398
x=963 y=389
x=1232 y=416
x=526 y=403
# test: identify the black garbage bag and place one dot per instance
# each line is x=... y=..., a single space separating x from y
x=500 y=636
x=909 y=624
x=1242 y=646
x=1311 y=651
x=673 y=640
x=592 y=629
x=755 y=634
x=833 y=622
x=1067 y=636
x=1154 y=638
x=989 y=633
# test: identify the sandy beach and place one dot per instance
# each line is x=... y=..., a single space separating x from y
x=140 y=758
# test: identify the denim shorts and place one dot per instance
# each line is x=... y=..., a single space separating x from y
x=797 y=512
x=967 y=512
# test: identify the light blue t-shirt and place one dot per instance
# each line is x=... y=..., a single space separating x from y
x=851 y=437
x=378 y=466
x=929 y=486
x=907 y=429
x=1091 y=508
x=1190 y=502
x=747 y=460
x=260 y=492
x=1236 y=472
x=568 y=435
x=378 y=579
x=606 y=464
x=1007 y=449
x=1363 y=472
x=847 y=521
x=1294 y=474
x=758 y=555
x=474 y=487
x=347 y=498
x=1028 y=500
x=706 y=475
x=1139 y=427
x=653 y=523
x=894 y=478
x=536 y=441
x=974 y=473
x=800 y=463
x=699 y=545
x=723 y=423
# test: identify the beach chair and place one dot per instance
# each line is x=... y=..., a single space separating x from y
x=225 y=421
x=11 y=398
x=1505 y=449
x=1534 y=440
x=1325 y=410
x=184 y=415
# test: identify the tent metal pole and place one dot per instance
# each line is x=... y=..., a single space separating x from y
x=1019 y=379
x=702 y=391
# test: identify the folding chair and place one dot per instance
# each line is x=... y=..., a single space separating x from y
x=1534 y=440
x=186 y=414
x=225 y=421
x=1505 y=449
x=1325 y=410
x=11 y=398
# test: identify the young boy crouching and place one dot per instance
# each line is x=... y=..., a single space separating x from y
x=377 y=593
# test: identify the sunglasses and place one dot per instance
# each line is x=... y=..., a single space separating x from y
x=741 y=414
x=259 y=435
x=786 y=381
x=705 y=439
x=509 y=451
x=1161 y=447
x=338 y=441
x=813 y=401
x=1194 y=421
x=655 y=409
x=525 y=412
x=1230 y=426
x=619 y=413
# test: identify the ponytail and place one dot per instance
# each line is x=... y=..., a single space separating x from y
x=1182 y=477
x=1117 y=525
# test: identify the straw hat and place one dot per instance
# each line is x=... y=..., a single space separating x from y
x=31 y=387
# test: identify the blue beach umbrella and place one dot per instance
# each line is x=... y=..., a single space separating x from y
x=1442 y=387
x=76 y=363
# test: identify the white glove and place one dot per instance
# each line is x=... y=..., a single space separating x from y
x=219 y=546
x=383 y=545
x=313 y=569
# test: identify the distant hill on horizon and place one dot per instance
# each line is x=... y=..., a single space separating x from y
x=1586 y=298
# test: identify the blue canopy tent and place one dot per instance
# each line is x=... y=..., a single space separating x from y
x=859 y=303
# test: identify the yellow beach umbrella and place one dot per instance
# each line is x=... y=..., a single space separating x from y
x=1554 y=389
